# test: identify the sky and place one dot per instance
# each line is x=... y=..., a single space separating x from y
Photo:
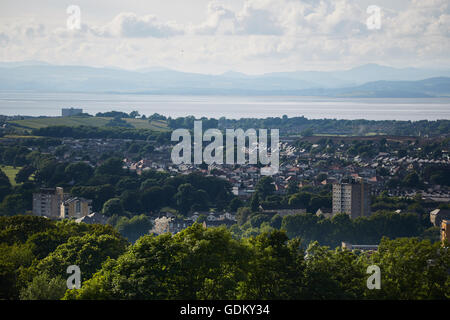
x=213 y=36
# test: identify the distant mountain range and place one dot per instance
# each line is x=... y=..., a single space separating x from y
x=369 y=80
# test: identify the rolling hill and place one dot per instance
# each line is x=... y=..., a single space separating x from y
x=365 y=81
x=74 y=121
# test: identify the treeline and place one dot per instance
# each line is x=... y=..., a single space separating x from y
x=340 y=228
x=112 y=132
x=200 y=263
x=203 y=263
x=325 y=126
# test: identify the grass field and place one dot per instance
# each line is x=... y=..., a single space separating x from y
x=11 y=173
x=36 y=123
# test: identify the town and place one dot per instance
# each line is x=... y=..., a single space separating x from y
x=320 y=175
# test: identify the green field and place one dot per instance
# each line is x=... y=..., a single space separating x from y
x=11 y=173
x=36 y=123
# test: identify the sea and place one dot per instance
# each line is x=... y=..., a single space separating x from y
x=232 y=107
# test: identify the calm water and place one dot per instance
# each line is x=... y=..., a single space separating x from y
x=50 y=104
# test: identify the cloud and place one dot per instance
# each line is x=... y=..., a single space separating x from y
x=130 y=25
x=258 y=21
x=250 y=20
x=220 y=20
x=259 y=36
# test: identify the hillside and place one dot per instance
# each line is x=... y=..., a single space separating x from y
x=75 y=121
x=364 y=81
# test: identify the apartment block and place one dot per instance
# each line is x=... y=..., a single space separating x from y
x=67 y=112
x=47 y=202
x=352 y=198
x=54 y=203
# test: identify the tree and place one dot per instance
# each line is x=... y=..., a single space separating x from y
x=88 y=252
x=333 y=274
x=113 y=206
x=300 y=225
x=307 y=132
x=112 y=166
x=131 y=201
x=153 y=198
x=134 y=114
x=411 y=269
x=254 y=203
x=202 y=218
x=5 y=185
x=235 y=204
x=13 y=259
x=276 y=221
x=274 y=268
x=134 y=228
x=79 y=172
x=196 y=263
x=258 y=219
x=300 y=200
x=44 y=287
x=265 y=187
x=243 y=214
x=185 y=197
x=292 y=187
x=24 y=174
x=13 y=204
x=43 y=243
x=412 y=180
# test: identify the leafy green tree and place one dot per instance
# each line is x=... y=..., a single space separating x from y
x=300 y=200
x=333 y=274
x=265 y=187
x=243 y=214
x=112 y=166
x=307 y=132
x=275 y=268
x=17 y=229
x=5 y=185
x=153 y=198
x=13 y=204
x=79 y=172
x=134 y=228
x=255 y=203
x=201 y=218
x=13 y=259
x=258 y=219
x=44 y=287
x=134 y=114
x=43 y=243
x=411 y=269
x=24 y=174
x=131 y=201
x=185 y=197
x=300 y=225
x=113 y=206
x=235 y=204
x=276 y=221
x=196 y=263
x=88 y=252
x=292 y=187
